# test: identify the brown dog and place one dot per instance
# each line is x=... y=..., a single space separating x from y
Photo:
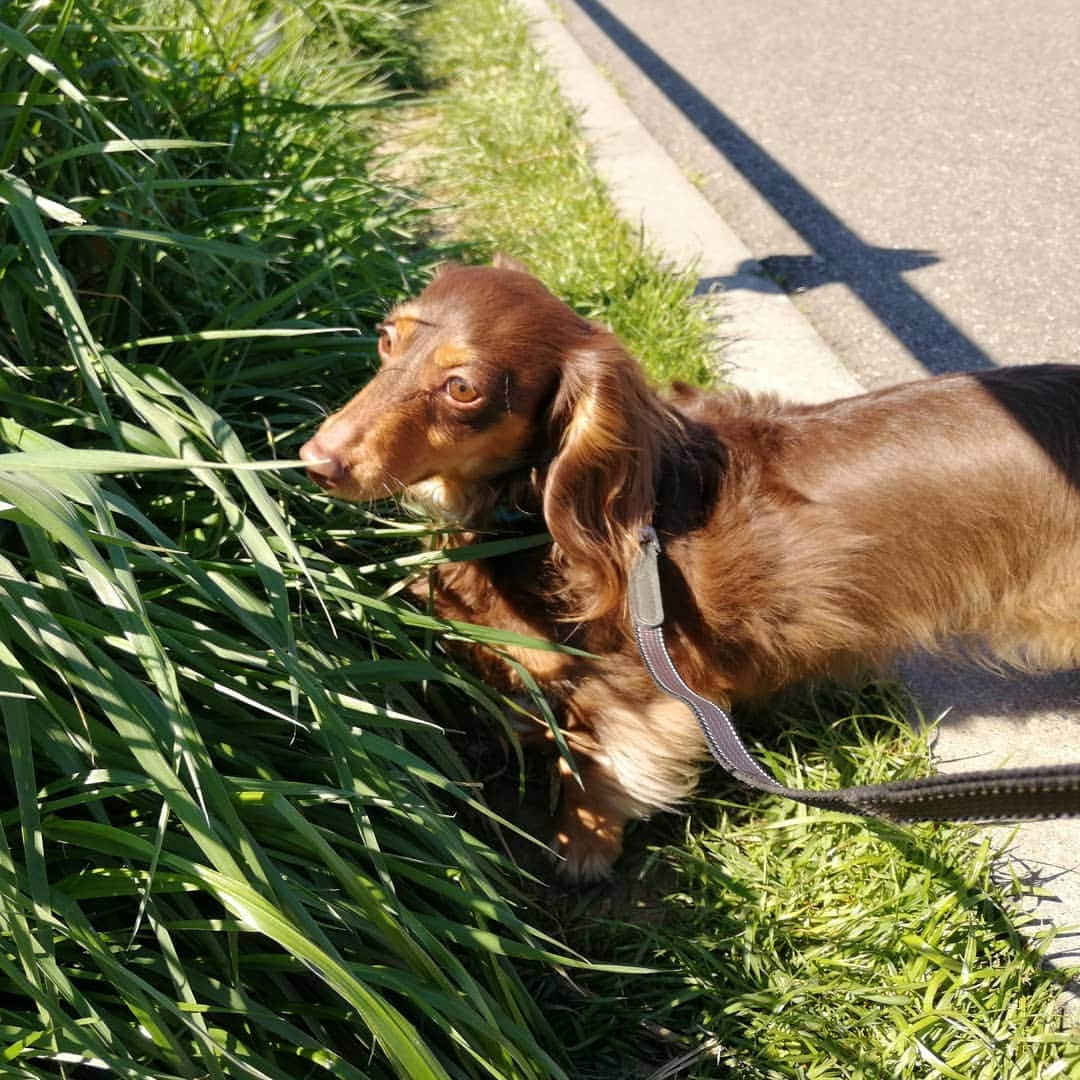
x=799 y=540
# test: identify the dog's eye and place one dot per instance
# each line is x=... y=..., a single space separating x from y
x=461 y=390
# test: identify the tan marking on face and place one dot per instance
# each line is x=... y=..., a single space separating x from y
x=465 y=457
x=401 y=323
x=433 y=497
x=489 y=451
x=394 y=454
x=405 y=325
x=439 y=438
x=451 y=355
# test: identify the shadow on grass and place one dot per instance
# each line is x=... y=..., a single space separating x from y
x=770 y=926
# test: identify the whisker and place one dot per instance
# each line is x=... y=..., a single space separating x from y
x=318 y=406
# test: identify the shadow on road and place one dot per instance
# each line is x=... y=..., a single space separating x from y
x=873 y=274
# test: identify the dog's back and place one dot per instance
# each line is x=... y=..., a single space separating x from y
x=946 y=509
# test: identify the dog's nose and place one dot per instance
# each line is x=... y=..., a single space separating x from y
x=322 y=466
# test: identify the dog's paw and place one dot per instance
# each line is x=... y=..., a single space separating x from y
x=589 y=845
x=584 y=867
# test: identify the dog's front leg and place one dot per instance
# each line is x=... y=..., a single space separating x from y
x=642 y=755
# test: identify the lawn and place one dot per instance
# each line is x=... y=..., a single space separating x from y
x=238 y=837
x=234 y=837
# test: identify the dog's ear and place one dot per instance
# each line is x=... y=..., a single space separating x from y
x=506 y=262
x=610 y=431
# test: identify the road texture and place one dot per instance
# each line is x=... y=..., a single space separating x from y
x=910 y=171
x=911 y=175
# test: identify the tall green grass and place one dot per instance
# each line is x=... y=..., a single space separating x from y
x=234 y=840
x=232 y=834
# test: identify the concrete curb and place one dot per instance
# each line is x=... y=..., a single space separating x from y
x=769 y=345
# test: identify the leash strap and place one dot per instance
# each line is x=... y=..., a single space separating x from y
x=995 y=794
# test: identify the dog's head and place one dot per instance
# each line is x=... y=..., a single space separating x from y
x=486 y=376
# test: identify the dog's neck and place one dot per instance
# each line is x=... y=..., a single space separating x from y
x=513 y=502
x=510 y=502
x=689 y=482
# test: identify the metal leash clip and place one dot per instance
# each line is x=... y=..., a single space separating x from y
x=643 y=584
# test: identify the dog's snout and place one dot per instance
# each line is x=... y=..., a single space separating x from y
x=324 y=467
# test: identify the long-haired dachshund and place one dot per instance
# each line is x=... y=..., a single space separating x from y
x=799 y=540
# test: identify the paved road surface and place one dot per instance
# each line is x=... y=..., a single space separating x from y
x=911 y=171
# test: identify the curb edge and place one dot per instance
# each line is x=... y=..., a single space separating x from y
x=767 y=343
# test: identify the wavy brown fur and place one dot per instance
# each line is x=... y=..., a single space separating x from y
x=799 y=540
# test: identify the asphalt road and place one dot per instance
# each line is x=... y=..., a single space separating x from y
x=909 y=172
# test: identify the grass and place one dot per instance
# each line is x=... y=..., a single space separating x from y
x=232 y=836
x=502 y=159
x=234 y=839
x=793 y=943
